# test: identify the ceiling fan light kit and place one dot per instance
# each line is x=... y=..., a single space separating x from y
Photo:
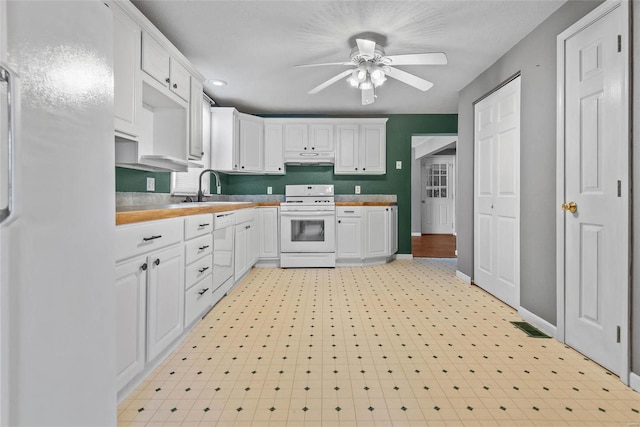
x=372 y=68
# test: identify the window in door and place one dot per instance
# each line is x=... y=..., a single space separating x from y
x=437 y=182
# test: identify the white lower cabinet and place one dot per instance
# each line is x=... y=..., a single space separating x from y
x=367 y=234
x=165 y=309
x=246 y=242
x=198 y=250
x=131 y=320
x=268 y=226
x=349 y=233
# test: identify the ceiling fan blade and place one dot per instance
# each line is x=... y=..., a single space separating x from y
x=366 y=47
x=329 y=82
x=323 y=64
x=409 y=79
x=435 y=58
x=368 y=96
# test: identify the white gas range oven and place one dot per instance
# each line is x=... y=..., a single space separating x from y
x=308 y=226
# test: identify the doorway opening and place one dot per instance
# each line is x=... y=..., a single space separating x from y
x=433 y=191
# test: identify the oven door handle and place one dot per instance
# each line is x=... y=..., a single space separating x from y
x=307 y=213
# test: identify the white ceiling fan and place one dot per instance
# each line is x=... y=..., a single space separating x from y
x=372 y=67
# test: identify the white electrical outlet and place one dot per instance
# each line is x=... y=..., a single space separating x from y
x=218 y=189
x=269 y=190
x=398 y=164
x=151 y=184
x=357 y=189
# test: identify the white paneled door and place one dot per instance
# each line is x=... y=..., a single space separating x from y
x=437 y=195
x=595 y=205
x=497 y=193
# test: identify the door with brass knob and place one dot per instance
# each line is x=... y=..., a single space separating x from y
x=571 y=207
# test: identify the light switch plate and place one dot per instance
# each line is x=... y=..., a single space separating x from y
x=398 y=164
x=269 y=190
x=357 y=189
x=151 y=184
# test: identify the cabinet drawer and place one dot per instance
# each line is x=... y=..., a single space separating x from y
x=197 y=299
x=197 y=270
x=244 y=215
x=197 y=225
x=198 y=247
x=349 y=211
x=136 y=239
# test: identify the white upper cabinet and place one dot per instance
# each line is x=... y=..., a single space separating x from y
x=320 y=137
x=296 y=137
x=158 y=63
x=273 y=148
x=127 y=100
x=237 y=141
x=251 y=140
x=308 y=136
x=195 y=120
x=361 y=148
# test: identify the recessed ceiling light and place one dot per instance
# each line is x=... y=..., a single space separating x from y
x=216 y=82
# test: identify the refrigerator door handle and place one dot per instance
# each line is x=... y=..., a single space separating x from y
x=9 y=77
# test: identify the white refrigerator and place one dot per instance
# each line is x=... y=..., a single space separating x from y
x=57 y=301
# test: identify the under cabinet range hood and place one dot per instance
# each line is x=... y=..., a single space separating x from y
x=309 y=158
x=127 y=156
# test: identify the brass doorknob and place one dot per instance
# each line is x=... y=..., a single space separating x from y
x=571 y=207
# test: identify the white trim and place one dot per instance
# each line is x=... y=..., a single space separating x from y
x=634 y=381
x=537 y=321
x=460 y=275
x=404 y=256
x=416 y=234
x=599 y=12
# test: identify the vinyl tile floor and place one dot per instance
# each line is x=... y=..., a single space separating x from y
x=402 y=344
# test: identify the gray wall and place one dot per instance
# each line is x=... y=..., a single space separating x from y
x=535 y=58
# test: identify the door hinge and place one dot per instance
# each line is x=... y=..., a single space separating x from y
x=618 y=334
x=619 y=43
x=619 y=188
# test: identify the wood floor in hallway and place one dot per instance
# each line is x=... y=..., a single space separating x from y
x=401 y=344
x=434 y=246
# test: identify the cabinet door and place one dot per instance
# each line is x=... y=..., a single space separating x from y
x=195 y=120
x=131 y=303
x=268 y=232
x=377 y=232
x=179 y=79
x=373 y=149
x=252 y=244
x=296 y=137
x=225 y=129
x=349 y=242
x=393 y=230
x=321 y=137
x=347 y=144
x=251 y=144
x=273 y=148
x=165 y=310
x=155 y=59
x=241 y=242
x=127 y=87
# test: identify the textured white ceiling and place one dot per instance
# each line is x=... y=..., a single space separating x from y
x=253 y=45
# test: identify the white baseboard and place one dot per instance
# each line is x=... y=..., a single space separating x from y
x=460 y=275
x=415 y=234
x=634 y=381
x=538 y=322
x=404 y=256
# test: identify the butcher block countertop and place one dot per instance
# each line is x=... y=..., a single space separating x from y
x=133 y=214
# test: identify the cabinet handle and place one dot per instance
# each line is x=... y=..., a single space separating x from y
x=12 y=81
x=206 y=246
x=147 y=239
x=356 y=168
x=364 y=169
x=242 y=167
x=203 y=291
x=203 y=225
x=305 y=148
x=247 y=227
x=157 y=261
x=339 y=222
x=387 y=209
x=279 y=169
x=175 y=85
x=143 y=267
x=168 y=80
x=203 y=269
x=313 y=148
x=349 y=211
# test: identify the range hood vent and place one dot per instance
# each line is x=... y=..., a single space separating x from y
x=127 y=157
x=314 y=158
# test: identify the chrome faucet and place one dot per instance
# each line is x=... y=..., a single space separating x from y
x=200 y=194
